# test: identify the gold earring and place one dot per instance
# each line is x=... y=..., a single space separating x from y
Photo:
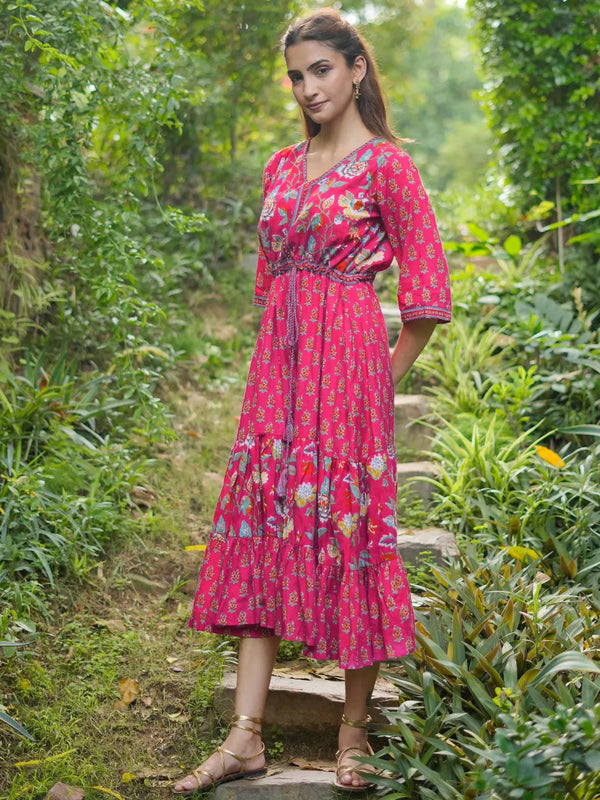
x=356 y=93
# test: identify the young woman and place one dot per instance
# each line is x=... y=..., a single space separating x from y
x=304 y=538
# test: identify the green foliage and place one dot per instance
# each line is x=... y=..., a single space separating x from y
x=493 y=643
x=432 y=92
x=542 y=86
x=546 y=757
x=66 y=469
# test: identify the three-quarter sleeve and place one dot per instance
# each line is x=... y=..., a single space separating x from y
x=410 y=227
x=264 y=274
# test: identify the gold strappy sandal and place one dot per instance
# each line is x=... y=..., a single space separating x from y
x=231 y=776
x=341 y=771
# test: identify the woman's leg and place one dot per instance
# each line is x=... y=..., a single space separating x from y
x=359 y=685
x=255 y=665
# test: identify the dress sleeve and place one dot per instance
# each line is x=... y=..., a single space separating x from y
x=264 y=275
x=409 y=223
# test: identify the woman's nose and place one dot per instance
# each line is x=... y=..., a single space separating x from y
x=309 y=87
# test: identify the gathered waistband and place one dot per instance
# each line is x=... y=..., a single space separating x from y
x=322 y=269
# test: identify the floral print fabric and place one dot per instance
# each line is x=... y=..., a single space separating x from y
x=304 y=538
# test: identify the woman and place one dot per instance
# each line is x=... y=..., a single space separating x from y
x=304 y=538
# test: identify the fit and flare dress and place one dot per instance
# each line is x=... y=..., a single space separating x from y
x=304 y=538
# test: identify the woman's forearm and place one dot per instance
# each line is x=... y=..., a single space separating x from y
x=411 y=341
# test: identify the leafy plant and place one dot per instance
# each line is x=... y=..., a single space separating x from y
x=548 y=757
x=491 y=640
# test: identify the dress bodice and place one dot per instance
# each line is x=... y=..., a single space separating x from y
x=351 y=222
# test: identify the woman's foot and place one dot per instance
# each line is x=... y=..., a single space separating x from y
x=353 y=744
x=242 y=754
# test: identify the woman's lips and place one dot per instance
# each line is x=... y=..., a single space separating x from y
x=316 y=106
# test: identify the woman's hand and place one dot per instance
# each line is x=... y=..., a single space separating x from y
x=412 y=339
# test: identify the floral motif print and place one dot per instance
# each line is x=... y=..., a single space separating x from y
x=304 y=538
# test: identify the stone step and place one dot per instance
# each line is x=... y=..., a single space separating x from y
x=305 y=702
x=285 y=783
x=391 y=316
x=413 y=543
x=414 y=476
x=409 y=409
x=249 y=261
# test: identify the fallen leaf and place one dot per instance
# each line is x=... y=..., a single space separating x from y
x=120 y=705
x=113 y=625
x=109 y=791
x=316 y=764
x=147 y=701
x=160 y=773
x=179 y=717
x=330 y=672
x=143 y=496
x=289 y=672
x=129 y=689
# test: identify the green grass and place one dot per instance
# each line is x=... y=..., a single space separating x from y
x=109 y=625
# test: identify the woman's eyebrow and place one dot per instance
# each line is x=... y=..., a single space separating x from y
x=315 y=65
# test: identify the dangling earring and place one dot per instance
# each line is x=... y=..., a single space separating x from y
x=356 y=92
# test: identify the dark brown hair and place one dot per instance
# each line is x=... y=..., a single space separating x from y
x=328 y=27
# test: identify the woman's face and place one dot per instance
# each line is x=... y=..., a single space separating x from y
x=321 y=80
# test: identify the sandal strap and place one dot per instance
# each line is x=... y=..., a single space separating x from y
x=197 y=772
x=364 y=752
x=221 y=751
x=356 y=723
x=235 y=723
x=242 y=759
x=346 y=769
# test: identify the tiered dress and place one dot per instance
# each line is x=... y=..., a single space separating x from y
x=304 y=538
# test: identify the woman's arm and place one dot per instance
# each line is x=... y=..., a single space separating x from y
x=412 y=339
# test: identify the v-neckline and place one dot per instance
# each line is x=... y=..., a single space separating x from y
x=334 y=166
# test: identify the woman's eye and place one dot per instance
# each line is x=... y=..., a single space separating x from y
x=322 y=70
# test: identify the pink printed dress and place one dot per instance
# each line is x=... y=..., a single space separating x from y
x=304 y=538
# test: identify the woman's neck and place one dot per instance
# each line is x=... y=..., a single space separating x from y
x=341 y=136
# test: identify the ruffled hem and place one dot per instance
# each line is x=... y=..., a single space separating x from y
x=257 y=587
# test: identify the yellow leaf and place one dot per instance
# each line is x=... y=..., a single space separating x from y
x=522 y=553
x=109 y=791
x=127 y=777
x=549 y=456
x=129 y=689
x=201 y=547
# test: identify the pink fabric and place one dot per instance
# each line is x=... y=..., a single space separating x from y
x=304 y=538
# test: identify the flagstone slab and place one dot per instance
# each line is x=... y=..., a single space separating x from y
x=289 y=783
x=409 y=409
x=304 y=702
x=413 y=543
x=415 y=476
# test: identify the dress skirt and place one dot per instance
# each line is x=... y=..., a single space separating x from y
x=304 y=537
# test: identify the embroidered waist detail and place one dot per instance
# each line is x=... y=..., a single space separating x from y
x=308 y=265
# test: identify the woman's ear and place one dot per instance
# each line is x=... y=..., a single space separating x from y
x=359 y=69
